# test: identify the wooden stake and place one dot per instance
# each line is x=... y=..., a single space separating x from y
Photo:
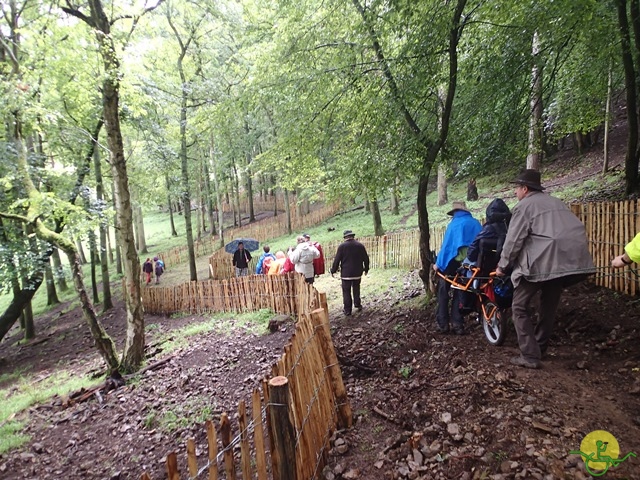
x=192 y=461
x=172 y=467
x=258 y=435
x=283 y=454
x=225 y=435
x=213 y=450
x=245 y=450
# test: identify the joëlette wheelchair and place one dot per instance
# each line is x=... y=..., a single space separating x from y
x=485 y=294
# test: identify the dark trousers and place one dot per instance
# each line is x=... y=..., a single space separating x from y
x=533 y=339
x=348 y=302
x=443 y=317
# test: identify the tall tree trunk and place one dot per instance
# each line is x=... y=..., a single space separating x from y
x=107 y=303
x=395 y=199
x=28 y=325
x=133 y=353
x=142 y=240
x=431 y=147
x=81 y=256
x=534 y=155
x=216 y=186
x=115 y=229
x=377 y=218
x=184 y=163
x=93 y=252
x=58 y=271
x=442 y=185
x=236 y=185
x=174 y=233
x=287 y=211
x=249 y=157
x=52 y=293
x=607 y=121
x=209 y=195
x=104 y=343
x=631 y=159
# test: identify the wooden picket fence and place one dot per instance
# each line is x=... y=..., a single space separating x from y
x=610 y=226
x=287 y=434
x=271 y=227
x=394 y=250
x=286 y=294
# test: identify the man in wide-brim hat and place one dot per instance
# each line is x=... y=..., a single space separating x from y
x=546 y=250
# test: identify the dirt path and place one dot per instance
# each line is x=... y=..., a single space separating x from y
x=426 y=406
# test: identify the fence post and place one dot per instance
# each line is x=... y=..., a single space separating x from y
x=284 y=445
x=172 y=467
x=320 y=321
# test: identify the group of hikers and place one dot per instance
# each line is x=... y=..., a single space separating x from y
x=149 y=268
x=540 y=244
x=307 y=259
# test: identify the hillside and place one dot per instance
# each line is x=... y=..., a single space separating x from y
x=464 y=410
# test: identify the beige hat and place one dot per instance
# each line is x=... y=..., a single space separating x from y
x=457 y=206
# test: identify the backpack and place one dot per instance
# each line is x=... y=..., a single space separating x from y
x=159 y=268
x=266 y=264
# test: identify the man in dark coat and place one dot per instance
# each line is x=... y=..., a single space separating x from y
x=241 y=259
x=352 y=260
x=546 y=249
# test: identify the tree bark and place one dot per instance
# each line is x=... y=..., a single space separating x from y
x=184 y=163
x=377 y=219
x=133 y=354
x=631 y=158
x=58 y=271
x=174 y=233
x=52 y=294
x=216 y=187
x=107 y=303
x=142 y=240
x=287 y=211
x=534 y=156
x=443 y=198
x=82 y=258
x=93 y=252
x=209 y=195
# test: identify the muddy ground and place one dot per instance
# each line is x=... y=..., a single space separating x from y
x=425 y=405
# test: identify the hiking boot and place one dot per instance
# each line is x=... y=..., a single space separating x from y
x=347 y=314
x=521 y=362
x=459 y=331
x=442 y=330
x=358 y=307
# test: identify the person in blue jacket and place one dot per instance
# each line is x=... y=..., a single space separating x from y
x=461 y=231
x=264 y=262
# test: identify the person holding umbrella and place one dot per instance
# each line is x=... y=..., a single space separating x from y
x=241 y=259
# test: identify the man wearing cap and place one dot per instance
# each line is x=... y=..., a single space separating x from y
x=460 y=232
x=352 y=260
x=546 y=250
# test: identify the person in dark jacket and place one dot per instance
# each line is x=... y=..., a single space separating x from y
x=241 y=259
x=352 y=260
x=495 y=228
x=147 y=268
